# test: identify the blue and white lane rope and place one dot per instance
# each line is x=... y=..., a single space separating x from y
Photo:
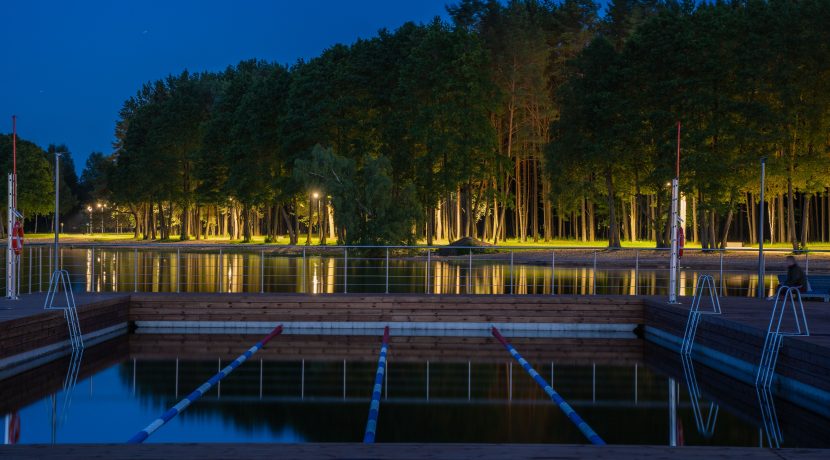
x=554 y=396
x=198 y=392
x=374 y=407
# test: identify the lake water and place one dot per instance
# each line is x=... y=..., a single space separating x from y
x=193 y=270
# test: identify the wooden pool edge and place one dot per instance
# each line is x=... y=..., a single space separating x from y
x=731 y=347
x=400 y=451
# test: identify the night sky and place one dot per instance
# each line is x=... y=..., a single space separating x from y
x=68 y=66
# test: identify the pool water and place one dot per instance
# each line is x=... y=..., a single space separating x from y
x=286 y=395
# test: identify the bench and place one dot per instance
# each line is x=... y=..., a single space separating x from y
x=819 y=287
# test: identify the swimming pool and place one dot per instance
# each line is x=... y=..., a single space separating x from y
x=316 y=388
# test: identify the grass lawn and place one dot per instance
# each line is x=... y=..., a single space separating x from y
x=283 y=240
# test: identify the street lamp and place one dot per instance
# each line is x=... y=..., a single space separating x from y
x=102 y=207
x=312 y=196
x=89 y=225
x=319 y=217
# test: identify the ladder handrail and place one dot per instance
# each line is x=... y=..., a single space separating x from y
x=693 y=320
x=775 y=337
x=60 y=279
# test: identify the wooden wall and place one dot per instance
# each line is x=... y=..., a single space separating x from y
x=387 y=308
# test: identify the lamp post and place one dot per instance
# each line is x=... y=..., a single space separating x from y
x=319 y=218
x=311 y=197
x=89 y=224
x=56 y=219
x=102 y=207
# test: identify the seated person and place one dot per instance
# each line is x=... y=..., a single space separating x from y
x=795 y=276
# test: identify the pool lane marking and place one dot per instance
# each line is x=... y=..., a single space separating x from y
x=554 y=396
x=203 y=388
x=374 y=406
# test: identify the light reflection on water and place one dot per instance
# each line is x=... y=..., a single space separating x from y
x=125 y=270
x=318 y=399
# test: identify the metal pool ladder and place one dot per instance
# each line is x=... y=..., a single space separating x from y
x=60 y=279
x=693 y=321
x=786 y=296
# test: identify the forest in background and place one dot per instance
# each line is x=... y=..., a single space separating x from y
x=527 y=119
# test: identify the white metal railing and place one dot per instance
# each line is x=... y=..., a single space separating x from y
x=157 y=267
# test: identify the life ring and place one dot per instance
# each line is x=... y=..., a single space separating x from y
x=14 y=428
x=17 y=238
x=681 y=241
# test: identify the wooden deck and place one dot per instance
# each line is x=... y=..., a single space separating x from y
x=401 y=451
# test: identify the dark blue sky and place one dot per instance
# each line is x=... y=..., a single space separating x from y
x=68 y=66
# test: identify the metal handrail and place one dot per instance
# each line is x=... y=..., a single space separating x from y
x=786 y=296
x=693 y=320
x=60 y=280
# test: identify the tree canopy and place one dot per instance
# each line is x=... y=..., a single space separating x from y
x=527 y=119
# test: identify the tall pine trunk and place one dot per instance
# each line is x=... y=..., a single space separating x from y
x=613 y=230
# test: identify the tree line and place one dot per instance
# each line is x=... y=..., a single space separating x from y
x=526 y=119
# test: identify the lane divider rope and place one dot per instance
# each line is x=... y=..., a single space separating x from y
x=554 y=396
x=139 y=437
x=374 y=407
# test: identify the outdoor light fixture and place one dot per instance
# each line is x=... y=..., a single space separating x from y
x=102 y=207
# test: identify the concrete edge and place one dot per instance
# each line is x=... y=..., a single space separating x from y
x=472 y=329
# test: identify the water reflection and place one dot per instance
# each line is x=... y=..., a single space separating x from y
x=126 y=270
x=295 y=392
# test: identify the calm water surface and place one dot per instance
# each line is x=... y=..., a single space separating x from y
x=318 y=399
x=128 y=270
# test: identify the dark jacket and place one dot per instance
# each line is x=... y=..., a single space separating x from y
x=796 y=277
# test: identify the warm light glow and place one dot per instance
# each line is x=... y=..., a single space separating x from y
x=316 y=195
x=89 y=208
x=99 y=205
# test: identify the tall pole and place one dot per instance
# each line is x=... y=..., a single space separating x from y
x=310 y=215
x=12 y=258
x=57 y=208
x=674 y=215
x=761 y=283
x=14 y=153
